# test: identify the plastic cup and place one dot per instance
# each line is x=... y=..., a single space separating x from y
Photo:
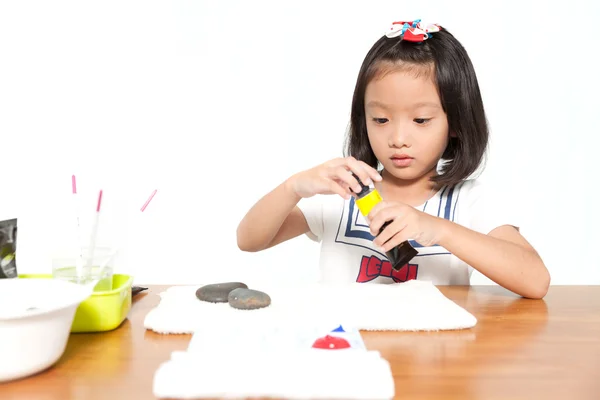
x=64 y=266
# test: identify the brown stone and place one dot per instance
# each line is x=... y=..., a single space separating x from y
x=248 y=299
x=218 y=292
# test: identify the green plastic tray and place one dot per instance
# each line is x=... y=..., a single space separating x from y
x=102 y=311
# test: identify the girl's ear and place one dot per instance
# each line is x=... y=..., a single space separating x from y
x=453 y=134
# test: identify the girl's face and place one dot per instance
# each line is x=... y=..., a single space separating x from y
x=406 y=125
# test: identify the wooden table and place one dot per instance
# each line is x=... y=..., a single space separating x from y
x=520 y=349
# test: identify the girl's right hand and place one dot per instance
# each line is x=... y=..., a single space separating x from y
x=333 y=177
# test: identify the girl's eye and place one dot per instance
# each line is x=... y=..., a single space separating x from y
x=422 y=121
x=380 y=120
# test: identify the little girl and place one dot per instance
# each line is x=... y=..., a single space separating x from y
x=418 y=132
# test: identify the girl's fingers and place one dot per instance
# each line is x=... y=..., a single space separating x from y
x=358 y=168
x=341 y=173
x=348 y=173
x=336 y=188
x=380 y=214
x=345 y=186
x=394 y=241
x=390 y=233
x=372 y=172
x=365 y=172
x=383 y=234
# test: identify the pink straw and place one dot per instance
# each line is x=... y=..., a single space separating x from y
x=93 y=236
x=99 y=201
x=79 y=262
x=149 y=199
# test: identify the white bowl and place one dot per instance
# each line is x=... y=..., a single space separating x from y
x=35 y=322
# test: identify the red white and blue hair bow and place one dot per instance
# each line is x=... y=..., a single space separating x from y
x=412 y=31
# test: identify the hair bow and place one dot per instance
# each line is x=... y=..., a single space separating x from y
x=412 y=31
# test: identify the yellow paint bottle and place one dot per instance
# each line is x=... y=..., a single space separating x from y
x=366 y=199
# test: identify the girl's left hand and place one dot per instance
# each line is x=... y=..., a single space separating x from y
x=407 y=223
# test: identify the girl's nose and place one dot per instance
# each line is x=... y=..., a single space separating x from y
x=399 y=137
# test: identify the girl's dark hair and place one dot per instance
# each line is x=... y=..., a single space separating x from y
x=459 y=93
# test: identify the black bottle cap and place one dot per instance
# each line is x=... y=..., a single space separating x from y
x=364 y=189
x=401 y=255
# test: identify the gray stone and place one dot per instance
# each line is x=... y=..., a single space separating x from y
x=218 y=292
x=248 y=299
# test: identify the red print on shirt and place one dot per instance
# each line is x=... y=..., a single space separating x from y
x=372 y=267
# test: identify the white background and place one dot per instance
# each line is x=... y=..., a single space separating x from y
x=215 y=103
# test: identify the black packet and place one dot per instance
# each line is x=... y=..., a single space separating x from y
x=137 y=290
x=8 y=248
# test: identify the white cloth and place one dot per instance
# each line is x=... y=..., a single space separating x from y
x=268 y=352
x=272 y=360
x=347 y=250
x=411 y=306
x=310 y=374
